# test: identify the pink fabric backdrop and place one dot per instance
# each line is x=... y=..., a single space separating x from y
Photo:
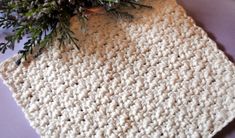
x=217 y=17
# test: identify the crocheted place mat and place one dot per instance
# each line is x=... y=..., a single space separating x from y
x=159 y=75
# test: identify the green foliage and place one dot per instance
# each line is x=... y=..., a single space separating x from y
x=44 y=20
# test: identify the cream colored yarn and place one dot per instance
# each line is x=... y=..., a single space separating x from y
x=157 y=76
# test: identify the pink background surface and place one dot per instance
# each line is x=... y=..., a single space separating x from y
x=217 y=17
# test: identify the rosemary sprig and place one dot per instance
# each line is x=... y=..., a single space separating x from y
x=44 y=20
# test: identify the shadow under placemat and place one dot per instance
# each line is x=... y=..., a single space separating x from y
x=229 y=129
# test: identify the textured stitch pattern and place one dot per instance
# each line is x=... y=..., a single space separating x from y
x=157 y=76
